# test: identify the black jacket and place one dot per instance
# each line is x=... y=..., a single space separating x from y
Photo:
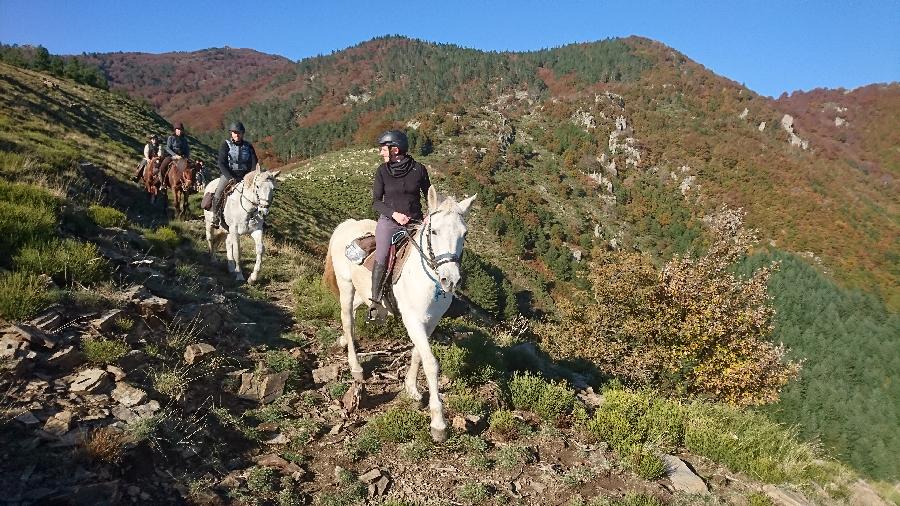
x=176 y=145
x=397 y=188
x=224 y=163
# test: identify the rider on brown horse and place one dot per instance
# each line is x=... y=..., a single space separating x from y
x=236 y=158
x=151 y=150
x=176 y=148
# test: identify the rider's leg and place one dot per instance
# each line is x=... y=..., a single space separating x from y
x=140 y=171
x=384 y=229
x=163 y=168
x=217 y=200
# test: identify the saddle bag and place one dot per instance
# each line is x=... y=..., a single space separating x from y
x=360 y=248
x=206 y=203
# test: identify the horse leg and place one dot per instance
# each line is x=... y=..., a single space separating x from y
x=347 y=293
x=412 y=375
x=209 y=237
x=419 y=336
x=233 y=252
x=257 y=236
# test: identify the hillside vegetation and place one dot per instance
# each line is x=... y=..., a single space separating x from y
x=138 y=389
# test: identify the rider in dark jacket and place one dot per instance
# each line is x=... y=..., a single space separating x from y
x=395 y=195
x=176 y=148
x=236 y=159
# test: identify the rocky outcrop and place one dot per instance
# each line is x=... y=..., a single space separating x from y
x=682 y=478
x=787 y=123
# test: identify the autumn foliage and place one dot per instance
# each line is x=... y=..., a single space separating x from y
x=690 y=328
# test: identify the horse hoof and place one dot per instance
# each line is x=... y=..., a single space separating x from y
x=414 y=394
x=438 y=435
x=358 y=376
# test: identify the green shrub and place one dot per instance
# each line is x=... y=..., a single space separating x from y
x=350 y=491
x=67 y=261
x=164 y=240
x=473 y=493
x=644 y=461
x=100 y=351
x=465 y=403
x=280 y=361
x=22 y=295
x=106 y=216
x=261 y=480
x=474 y=360
x=551 y=401
x=512 y=456
x=505 y=424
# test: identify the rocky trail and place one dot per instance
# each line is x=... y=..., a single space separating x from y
x=175 y=385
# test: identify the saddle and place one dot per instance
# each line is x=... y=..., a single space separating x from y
x=206 y=203
x=397 y=256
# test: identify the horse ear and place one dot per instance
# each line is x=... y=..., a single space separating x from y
x=434 y=200
x=466 y=204
x=275 y=174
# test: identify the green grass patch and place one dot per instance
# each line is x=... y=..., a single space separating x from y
x=67 y=261
x=104 y=216
x=22 y=295
x=163 y=240
x=401 y=423
x=465 y=403
x=24 y=222
x=100 y=351
x=315 y=302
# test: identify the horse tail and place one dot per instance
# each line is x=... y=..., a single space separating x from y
x=328 y=277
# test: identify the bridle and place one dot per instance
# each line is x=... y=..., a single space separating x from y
x=427 y=255
x=259 y=206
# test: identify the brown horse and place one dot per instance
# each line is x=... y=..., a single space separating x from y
x=152 y=181
x=183 y=177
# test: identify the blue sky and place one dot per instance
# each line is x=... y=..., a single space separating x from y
x=771 y=46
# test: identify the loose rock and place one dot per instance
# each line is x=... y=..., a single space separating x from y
x=681 y=476
x=91 y=380
x=263 y=388
x=326 y=373
x=128 y=395
x=194 y=352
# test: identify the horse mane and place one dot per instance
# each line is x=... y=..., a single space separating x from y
x=249 y=178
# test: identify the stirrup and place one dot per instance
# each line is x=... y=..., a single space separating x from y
x=377 y=312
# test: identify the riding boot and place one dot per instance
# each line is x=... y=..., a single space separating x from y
x=378 y=275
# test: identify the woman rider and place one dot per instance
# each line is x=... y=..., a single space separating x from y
x=395 y=196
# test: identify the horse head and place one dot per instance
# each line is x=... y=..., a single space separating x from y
x=262 y=184
x=444 y=235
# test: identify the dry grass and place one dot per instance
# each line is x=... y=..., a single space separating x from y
x=104 y=444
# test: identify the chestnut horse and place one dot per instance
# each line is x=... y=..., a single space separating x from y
x=184 y=177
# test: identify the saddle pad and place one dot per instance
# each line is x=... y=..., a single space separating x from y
x=396 y=259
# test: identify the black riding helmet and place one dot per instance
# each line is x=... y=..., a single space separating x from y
x=153 y=137
x=394 y=138
x=237 y=126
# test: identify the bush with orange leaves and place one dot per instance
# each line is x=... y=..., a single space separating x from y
x=690 y=328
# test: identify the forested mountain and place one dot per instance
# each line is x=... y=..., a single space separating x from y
x=624 y=144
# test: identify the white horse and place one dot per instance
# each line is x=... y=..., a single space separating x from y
x=423 y=292
x=245 y=211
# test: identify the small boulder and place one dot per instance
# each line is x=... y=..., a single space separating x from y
x=326 y=373
x=90 y=381
x=784 y=497
x=262 y=387
x=682 y=478
x=108 y=322
x=117 y=372
x=59 y=423
x=194 y=352
x=128 y=395
x=27 y=418
x=66 y=359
